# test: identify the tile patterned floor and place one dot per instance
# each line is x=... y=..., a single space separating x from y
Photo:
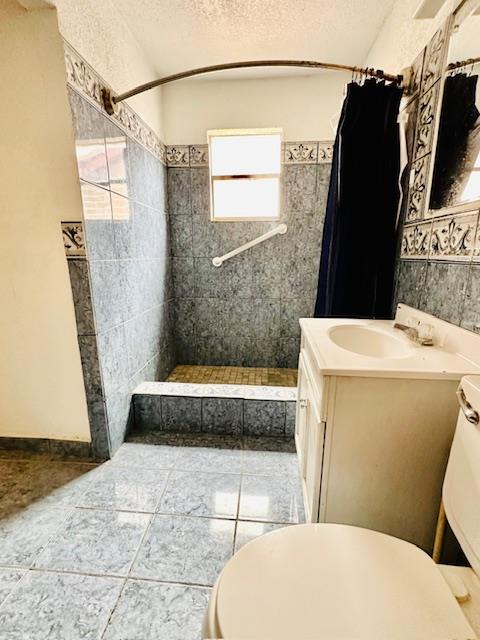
x=129 y=550
x=234 y=375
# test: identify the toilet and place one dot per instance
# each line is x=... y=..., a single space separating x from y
x=339 y=582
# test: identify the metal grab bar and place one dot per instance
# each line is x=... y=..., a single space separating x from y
x=281 y=229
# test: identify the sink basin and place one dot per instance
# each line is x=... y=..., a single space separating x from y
x=368 y=342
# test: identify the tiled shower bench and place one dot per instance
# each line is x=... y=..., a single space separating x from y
x=229 y=409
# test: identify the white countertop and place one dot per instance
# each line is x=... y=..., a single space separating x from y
x=435 y=362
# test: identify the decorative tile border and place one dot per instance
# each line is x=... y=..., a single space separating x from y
x=453 y=238
x=247 y=392
x=435 y=56
x=416 y=78
x=73 y=239
x=84 y=79
x=426 y=116
x=292 y=153
x=416 y=241
x=417 y=189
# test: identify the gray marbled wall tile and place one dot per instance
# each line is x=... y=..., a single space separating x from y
x=291 y=310
x=471 y=310
x=181 y=414
x=300 y=188
x=264 y=418
x=323 y=182
x=222 y=415
x=89 y=134
x=210 y=316
x=98 y=222
x=119 y=415
x=288 y=352
x=181 y=235
x=123 y=214
x=410 y=282
x=93 y=541
x=81 y=292
x=113 y=354
x=116 y=148
x=186 y=550
x=290 y=418
x=179 y=199
x=184 y=277
x=110 y=290
x=147 y=412
x=186 y=350
x=444 y=290
x=210 y=239
x=59 y=606
x=153 y=611
x=136 y=171
x=200 y=191
x=184 y=317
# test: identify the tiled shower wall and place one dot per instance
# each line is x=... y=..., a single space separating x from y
x=439 y=267
x=245 y=312
x=122 y=283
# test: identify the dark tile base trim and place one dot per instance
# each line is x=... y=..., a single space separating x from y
x=66 y=449
x=214 y=415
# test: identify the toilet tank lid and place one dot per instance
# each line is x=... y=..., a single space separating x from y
x=461 y=487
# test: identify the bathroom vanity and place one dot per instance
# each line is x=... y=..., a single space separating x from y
x=376 y=414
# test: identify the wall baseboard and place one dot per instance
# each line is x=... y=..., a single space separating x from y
x=62 y=449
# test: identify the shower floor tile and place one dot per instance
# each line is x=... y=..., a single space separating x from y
x=260 y=376
x=83 y=553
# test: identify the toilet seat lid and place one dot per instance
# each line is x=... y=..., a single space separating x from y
x=319 y=581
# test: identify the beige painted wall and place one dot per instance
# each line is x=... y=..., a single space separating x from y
x=41 y=383
x=96 y=30
x=302 y=106
x=401 y=38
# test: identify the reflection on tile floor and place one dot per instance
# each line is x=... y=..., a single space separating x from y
x=131 y=548
x=262 y=376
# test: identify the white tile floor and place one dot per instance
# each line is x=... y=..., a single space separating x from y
x=129 y=550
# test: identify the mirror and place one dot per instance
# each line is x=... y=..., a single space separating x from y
x=456 y=173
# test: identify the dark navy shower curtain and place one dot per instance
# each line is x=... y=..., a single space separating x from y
x=360 y=233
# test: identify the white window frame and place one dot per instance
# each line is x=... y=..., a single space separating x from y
x=215 y=133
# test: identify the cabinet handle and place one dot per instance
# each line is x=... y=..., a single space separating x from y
x=303 y=403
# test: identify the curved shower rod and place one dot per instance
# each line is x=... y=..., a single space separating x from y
x=110 y=100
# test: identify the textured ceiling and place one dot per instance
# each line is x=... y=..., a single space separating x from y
x=181 y=34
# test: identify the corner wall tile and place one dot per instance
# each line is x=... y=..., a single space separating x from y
x=410 y=282
x=82 y=296
x=444 y=290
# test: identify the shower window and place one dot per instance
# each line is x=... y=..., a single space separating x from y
x=245 y=167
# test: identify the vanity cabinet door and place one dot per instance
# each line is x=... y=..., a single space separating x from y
x=310 y=435
x=301 y=416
